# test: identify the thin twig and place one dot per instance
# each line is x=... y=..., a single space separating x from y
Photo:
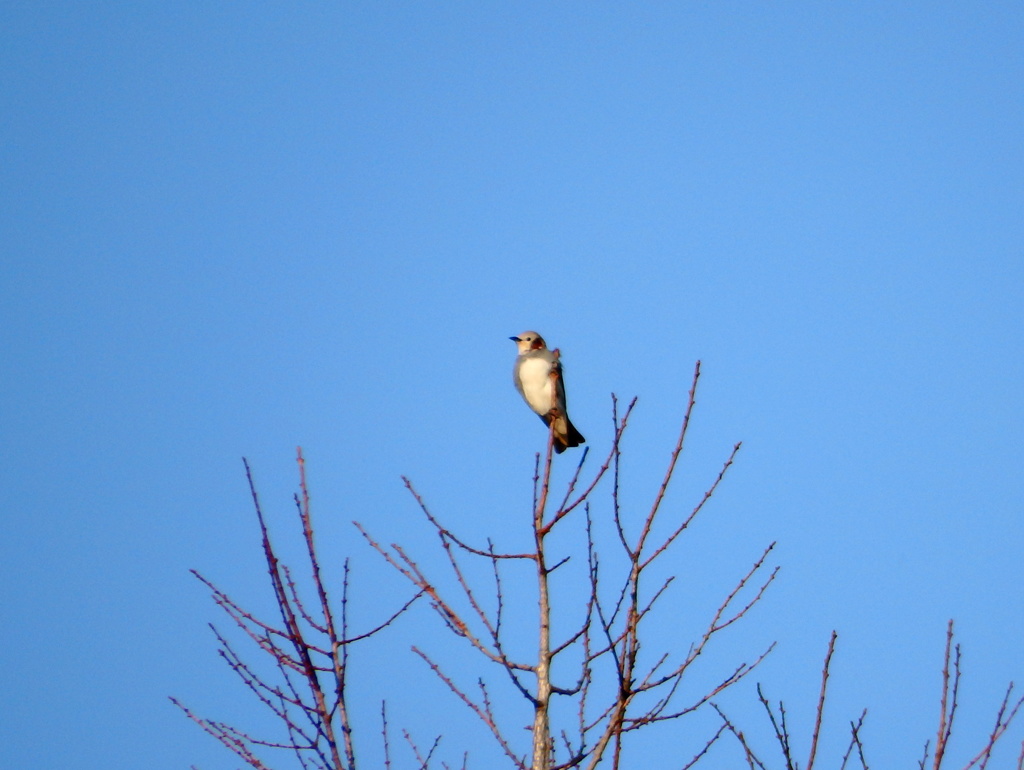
x=748 y=753
x=821 y=701
x=855 y=742
x=946 y=721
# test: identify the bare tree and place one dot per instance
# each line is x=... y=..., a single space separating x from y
x=948 y=704
x=586 y=684
x=309 y=651
x=614 y=688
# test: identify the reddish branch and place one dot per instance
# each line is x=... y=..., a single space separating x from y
x=821 y=701
x=948 y=698
x=855 y=742
x=748 y=753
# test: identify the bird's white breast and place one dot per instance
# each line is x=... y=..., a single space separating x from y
x=537 y=384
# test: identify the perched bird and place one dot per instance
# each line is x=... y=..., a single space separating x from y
x=538 y=378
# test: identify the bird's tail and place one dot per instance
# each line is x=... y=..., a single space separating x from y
x=566 y=435
x=573 y=436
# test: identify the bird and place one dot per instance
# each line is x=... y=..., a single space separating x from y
x=538 y=378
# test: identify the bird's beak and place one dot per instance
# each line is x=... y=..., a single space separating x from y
x=515 y=339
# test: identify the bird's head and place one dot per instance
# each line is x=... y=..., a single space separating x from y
x=528 y=341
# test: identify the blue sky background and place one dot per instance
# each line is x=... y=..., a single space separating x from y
x=232 y=229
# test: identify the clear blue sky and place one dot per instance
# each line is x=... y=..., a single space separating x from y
x=231 y=229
